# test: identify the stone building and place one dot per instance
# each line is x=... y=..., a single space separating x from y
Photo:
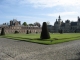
x=16 y=26
x=50 y=28
x=66 y=26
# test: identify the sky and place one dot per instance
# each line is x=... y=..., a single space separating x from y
x=31 y=11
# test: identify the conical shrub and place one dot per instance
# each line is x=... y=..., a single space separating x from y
x=16 y=32
x=2 y=31
x=27 y=32
x=30 y=31
x=61 y=31
x=45 y=33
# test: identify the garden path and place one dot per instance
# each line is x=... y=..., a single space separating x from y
x=20 y=50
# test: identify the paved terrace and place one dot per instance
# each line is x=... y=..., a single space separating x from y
x=20 y=50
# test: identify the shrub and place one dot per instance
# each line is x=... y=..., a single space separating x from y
x=16 y=32
x=75 y=31
x=2 y=31
x=27 y=32
x=36 y=32
x=61 y=31
x=30 y=31
x=44 y=32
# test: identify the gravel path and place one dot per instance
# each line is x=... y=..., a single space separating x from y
x=20 y=50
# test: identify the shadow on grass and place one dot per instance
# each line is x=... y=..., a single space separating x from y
x=32 y=42
x=38 y=40
x=42 y=39
x=65 y=38
x=78 y=54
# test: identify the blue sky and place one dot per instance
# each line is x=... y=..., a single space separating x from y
x=39 y=10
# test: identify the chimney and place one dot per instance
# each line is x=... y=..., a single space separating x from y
x=11 y=23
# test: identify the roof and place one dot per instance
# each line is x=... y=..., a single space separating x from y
x=56 y=22
x=63 y=24
x=49 y=25
x=73 y=23
x=67 y=21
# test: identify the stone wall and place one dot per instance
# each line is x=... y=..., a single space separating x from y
x=16 y=26
x=23 y=29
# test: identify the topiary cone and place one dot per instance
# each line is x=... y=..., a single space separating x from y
x=45 y=33
x=2 y=31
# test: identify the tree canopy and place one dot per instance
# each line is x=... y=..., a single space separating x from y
x=37 y=24
x=31 y=24
x=24 y=23
x=48 y=23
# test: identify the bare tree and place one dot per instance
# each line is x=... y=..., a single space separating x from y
x=37 y=24
x=48 y=23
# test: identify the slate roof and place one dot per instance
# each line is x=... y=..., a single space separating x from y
x=63 y=24
x=73 y=23
x=56 y=22
x=67 y=21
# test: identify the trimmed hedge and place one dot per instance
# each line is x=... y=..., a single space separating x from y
x=45 y=33
x=16 y=32
x=2 y=31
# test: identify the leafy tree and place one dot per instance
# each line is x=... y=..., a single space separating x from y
x=2 y=31
x=45 y=32
x=48 y=23
x=31 y=24
x=37 y=24
x=24 y=23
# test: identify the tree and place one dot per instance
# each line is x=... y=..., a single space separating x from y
x=24 y=23
x=44 y=32
x=37 y=24
x=31 y=24
x=48 y=23
x=2 y=31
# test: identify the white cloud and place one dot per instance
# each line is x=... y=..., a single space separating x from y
x=51 y=3
x=45 y=3
x=71 y=6
x=62 y=14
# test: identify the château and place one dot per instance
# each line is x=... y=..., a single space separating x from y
x=66 y=26
x=15 y=25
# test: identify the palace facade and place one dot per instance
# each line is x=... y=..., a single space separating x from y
x=66 y=26
x=16 y=26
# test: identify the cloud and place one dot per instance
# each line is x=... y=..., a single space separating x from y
x=62 y=14
x=52 y=3
x=68 y=9
x=44 y=3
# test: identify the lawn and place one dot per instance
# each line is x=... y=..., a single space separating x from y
x=55 y=38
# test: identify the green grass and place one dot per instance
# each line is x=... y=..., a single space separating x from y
x=55 y=38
